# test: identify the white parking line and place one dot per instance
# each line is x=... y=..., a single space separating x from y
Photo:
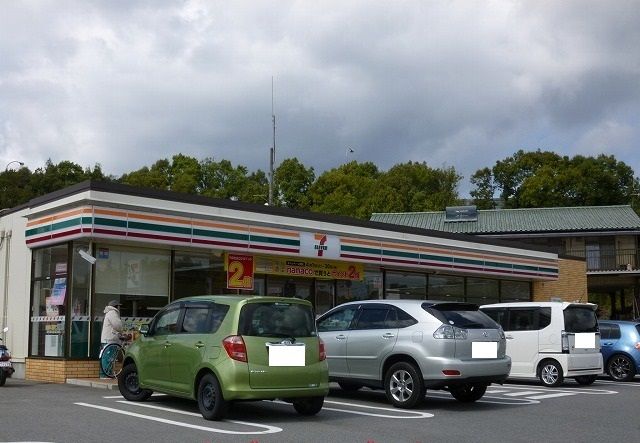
x=558 y=394
x=496 y=391
x=611 y=382
x=592 y=391
x=415 y=414
x=268 y=429
x=488 y=399
x=520 y=394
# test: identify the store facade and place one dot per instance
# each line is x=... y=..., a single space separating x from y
x=65 y=255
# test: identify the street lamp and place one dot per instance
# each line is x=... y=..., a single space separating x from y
x=6 y=168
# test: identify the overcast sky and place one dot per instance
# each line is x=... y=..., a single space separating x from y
x=452 y=83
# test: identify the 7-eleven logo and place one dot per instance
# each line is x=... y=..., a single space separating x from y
x=320 y=246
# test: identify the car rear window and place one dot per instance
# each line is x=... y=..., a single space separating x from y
x=580 y=319
x=277 y=319
x=461 y=315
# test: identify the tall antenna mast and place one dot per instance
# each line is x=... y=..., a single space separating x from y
x=272 y=153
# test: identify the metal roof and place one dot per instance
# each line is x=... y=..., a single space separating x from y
x=501 y=221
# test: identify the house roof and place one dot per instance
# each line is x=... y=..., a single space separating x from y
x=532 y=220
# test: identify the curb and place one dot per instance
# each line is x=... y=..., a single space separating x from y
x=93 y=383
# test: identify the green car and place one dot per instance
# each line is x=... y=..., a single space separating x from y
x=218 y=349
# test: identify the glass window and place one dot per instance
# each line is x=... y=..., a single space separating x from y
x=580 y=319
x=367 y=289
x=324 y=295
x=373 y=318
x=401 y=285
x=132 y=271
x=167 y=322
x=499 y=315
x=614 y=332
x=522 y=319
x=137 y=277
x=196 y=320
x=277 y=319
x=402 y=320
x=482 y=291
x=461 y=315
x=544 y=317
x=511 y=291
x=79 y=303
x=605 y=331
x=49 y=301
x=446 y=288
x=198 y=274
x=338 y=320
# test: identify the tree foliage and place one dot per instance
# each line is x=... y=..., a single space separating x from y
x=20 y=186
x=292 y=182
x=546 y=179
x=525 y=179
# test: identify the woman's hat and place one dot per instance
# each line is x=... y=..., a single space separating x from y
x=114 y=303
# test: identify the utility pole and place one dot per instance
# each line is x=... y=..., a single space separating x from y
x=272 y=153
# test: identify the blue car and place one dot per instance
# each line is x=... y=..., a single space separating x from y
x=620 y=347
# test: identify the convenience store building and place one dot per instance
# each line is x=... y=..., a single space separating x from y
x=64 y=255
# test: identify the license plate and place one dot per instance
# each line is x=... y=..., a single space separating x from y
x=484 y=349
x=5 y=364
x=286 y=355
x=585 y=340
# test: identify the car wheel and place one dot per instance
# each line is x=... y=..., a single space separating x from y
x=3 y=378
x=350 y=387
x=551 y=373
x=211 y=403
x=308 y=406
x=621 y=368
x=586 y=379
x=404 y=385
x=129 y=385
x=468 y=393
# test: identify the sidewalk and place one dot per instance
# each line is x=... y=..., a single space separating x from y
x=102 y=383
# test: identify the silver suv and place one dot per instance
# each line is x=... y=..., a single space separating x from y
x=407 y=346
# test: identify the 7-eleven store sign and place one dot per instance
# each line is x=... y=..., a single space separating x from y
x=318 y=245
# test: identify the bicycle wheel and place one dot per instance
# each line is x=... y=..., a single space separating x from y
x=111 y=360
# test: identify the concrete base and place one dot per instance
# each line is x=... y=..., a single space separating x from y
x=101 y=383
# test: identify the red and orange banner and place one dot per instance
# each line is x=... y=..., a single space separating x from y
x=240 y=270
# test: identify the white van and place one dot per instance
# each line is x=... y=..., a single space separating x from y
x=550 y=340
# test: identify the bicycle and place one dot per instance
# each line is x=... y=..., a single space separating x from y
x=112 y=356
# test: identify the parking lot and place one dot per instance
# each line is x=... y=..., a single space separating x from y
x=516 y=411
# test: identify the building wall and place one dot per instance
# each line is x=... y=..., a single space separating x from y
x=571 y=284
x=15 y=279
x=58 y=370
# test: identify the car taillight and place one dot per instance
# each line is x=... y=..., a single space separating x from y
x=565 y=342
x=235 y=347
x=450 y=332
x=323 y=354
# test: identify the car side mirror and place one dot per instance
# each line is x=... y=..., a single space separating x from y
x=144 y=330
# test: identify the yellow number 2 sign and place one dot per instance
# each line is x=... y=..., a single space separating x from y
x=240 y=270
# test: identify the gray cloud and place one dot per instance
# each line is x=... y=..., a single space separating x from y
x=459 y=84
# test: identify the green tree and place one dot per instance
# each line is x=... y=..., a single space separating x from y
x=350 y=190
x=156 y=177
x=223 y=180
x=484 y=191
x=546 y=179
x=416 y=188
x=292 y=182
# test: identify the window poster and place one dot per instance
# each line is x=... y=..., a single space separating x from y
x=59 y=291
x=133 y=274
